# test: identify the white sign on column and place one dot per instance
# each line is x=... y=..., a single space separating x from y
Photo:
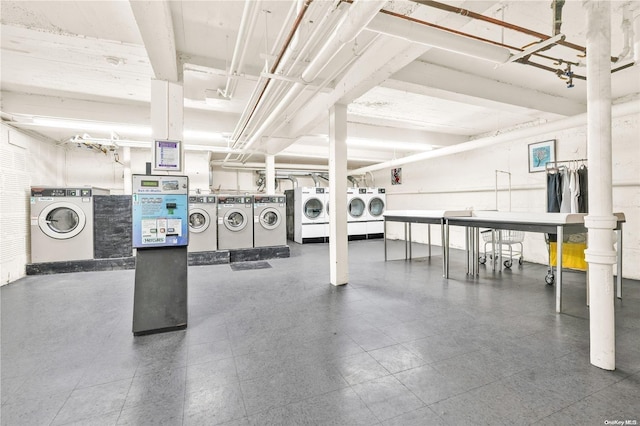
x=167 y=112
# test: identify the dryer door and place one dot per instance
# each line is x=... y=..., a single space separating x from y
x=376 y=207
x=312 y=208
x=235 y=220
x=356 y=208
x=270 y=218
x=62 y=220
x=199 y=220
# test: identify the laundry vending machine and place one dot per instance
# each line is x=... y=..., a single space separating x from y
x=160 y=236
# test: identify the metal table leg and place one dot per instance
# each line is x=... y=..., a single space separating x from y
x=467 y=246
x=429 y=238
x=384 y=235
x=476 y=255
x=619 y=277
x=444 y=252
x=410 y=240
x=560 y=238
x=445 y=248
x=405 y=240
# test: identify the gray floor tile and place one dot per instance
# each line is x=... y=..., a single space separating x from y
x=420 y=417
x=387 y=397
x=168 y=412
x=88 y=402
x=359 y=368
x=33 y=411
x=397 y=358
x=214 y=406
x=166 y=385
x=291 y=345
x=109 y=419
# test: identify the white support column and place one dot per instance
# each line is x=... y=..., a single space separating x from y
x=126 y=173
x=338 y=239
x=600 y=221
x=270 y=174
x=167 y=112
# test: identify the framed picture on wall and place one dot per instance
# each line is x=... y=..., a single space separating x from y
x=396 y=176
x=540 y=153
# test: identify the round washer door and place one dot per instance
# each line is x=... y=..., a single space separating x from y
x=62 y=220
x=356 y=207
x=270 y=218
x=312 y=208
x=199 y=220
x=376 y=207
x=235 y=220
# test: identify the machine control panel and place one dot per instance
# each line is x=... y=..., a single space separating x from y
x=202 y=199
x=265 y=199
x=160 y=211
x=60 y=192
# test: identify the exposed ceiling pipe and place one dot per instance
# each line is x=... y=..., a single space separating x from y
x=353 y=181
x=480 y=17
x=422 y=34
x=619 y=110
x=274 y=93
x=247 y=25
x=357 y=17
x=556 y=6
x=307 y=168
x=258 y=94
x=316 y=181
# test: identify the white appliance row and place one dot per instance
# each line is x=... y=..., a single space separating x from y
x=62 y=224
x=236 y=221
x=309 y=218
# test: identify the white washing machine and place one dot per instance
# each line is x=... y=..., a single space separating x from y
x=377 y=201
x=61 y=224
x=235 y=221
x=357 y=213
x=309 y=215
x=203 y=228
x=269 y=220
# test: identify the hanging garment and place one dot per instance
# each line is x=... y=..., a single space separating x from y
x=565 y=205
x=583 y=202
x=554 y=192
x=574 y=187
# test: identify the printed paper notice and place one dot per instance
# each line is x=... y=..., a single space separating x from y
x=154 y=231
x=167 y=155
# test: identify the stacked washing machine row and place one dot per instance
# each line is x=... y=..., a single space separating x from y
x=308 y=213
x=224 y=222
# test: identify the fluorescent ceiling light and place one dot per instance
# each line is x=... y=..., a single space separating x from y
x=203 y=135
x=95 y=126
x=388 y=145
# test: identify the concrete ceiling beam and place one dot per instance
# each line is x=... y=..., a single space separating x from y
x=446 y=83
x=156 y=28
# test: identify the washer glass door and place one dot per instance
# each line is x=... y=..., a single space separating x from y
x=235 y=220
x=376 y=207
x=62 y=220
x=269 y=218
x=313 y=208
x=356 y=208
x=198 y=221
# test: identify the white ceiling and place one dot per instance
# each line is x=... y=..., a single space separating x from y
x=93 y=61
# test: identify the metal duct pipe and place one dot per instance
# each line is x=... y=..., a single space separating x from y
x=620 y=110
x=353 y=181
x=316 y=181
x=422 y=34
x=354 y=21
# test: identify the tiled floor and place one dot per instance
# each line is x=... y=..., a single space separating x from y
x=399 y=345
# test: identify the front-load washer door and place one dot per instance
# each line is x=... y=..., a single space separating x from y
x=376 y=207
x=356 y=208
x=62 y=220
x=270 y=218
x=235 y=220
x=312 y=208
x=199 y=220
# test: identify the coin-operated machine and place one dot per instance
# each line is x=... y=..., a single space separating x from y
x=160 y=235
